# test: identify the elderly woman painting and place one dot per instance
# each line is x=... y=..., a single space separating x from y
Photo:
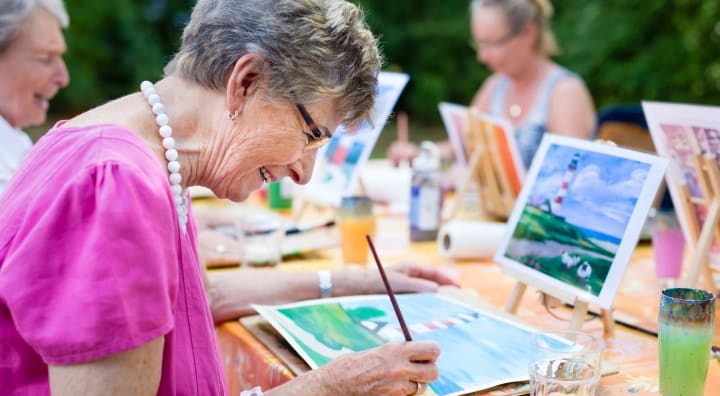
x=31 y=73
x=100 y=287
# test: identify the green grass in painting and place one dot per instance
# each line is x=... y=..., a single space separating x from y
x=540 y=226
x=332 y=326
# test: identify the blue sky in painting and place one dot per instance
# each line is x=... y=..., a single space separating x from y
x=602 y=193
x=474 y=355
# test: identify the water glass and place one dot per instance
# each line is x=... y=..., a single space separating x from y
x=686 y=324
x=356 y=220
x=263 y=249
x=565 y=362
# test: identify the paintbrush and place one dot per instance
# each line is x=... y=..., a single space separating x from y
x=390 y=293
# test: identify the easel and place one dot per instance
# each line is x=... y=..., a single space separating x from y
x=701 y=238
x=497 y=188
x=580 y=309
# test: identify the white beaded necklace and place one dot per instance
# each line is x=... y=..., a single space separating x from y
x=171 y=154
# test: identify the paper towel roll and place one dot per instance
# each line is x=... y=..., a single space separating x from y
x=463 y=239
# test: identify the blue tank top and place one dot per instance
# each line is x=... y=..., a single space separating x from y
x=531 y=131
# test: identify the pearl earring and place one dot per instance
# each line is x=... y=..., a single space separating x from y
x=234 y=115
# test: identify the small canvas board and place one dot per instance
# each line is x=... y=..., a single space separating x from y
x=679 y=132
x=457 y=124
x=578 y=217
x=455 y=119
x=480 y=349
x=338 y=163
x=501 y=134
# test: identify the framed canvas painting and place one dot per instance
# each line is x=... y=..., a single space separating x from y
x=456 y=119
x=338 y=164
x=681 y=133
x=578 y=217
x=500 y=136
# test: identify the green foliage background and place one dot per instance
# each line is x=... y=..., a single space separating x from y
x=626 y=50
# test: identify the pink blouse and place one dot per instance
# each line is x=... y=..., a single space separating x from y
x=93 y=263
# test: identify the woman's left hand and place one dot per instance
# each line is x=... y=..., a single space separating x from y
x=403 y=277
x=218 y=249
x=410 y=277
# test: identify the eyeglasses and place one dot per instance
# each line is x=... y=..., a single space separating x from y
x=477 y=45
x=317 y=138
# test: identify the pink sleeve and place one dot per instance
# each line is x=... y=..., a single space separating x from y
x=93 y=269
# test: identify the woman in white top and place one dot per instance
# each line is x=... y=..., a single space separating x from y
x=32 y=71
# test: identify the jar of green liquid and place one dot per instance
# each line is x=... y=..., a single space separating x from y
x=686 y=323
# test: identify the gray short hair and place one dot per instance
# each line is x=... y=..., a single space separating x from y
x=520 y=13
x=14 y=13
x=316 y=49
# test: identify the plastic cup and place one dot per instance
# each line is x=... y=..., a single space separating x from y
x=356 y=220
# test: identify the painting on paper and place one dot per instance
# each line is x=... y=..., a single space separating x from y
x=479 y=350
x=578 y=218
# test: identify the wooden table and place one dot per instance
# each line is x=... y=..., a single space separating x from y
x=249 y=363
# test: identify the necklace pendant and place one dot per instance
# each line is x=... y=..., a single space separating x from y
x=515 y=110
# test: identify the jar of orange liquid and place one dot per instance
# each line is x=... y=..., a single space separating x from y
x=356 y=220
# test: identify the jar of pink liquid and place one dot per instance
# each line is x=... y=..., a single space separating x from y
x=668 y=245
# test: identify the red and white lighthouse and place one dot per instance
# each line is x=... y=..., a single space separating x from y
x=557 y=202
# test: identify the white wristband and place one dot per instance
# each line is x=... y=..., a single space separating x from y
x=256 y=391
x=325 y=284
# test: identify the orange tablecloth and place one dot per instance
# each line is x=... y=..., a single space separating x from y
x=248 y=363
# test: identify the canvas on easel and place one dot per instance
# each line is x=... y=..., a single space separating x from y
x=689 y=135
x=494 y=164
x=455 y=120
x=577 y=220
x=338 y=164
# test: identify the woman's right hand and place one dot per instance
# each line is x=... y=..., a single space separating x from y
x=393 y=369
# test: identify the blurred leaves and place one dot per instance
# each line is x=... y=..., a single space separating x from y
x=625 y=50
x=114 y=45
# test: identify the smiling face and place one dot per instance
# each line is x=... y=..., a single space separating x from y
x=499 y=47
x=32 y=70
x=271 y=141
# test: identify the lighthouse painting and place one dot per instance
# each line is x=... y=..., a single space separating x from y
x=578 y=217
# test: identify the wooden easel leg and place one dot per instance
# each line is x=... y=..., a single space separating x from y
x=362 y=190
x=579 y=313
x=700 y=260
x=460 y=196
x=608 y=320
x=518 y=291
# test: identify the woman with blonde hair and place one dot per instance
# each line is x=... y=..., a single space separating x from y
x=514 y=40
